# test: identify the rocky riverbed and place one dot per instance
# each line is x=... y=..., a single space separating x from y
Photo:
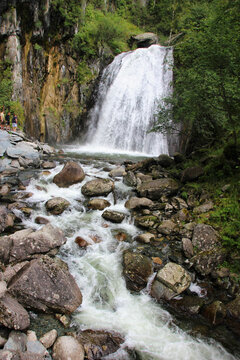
x=173 y=256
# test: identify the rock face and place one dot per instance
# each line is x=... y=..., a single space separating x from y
x=57 y=205
x=192 y=173
x=98 y=187
x=66 y=347
x=72 y=173
x=136 y=269
x=145 y=40
x=204 y=237
x=156 y=188
x=46 y=285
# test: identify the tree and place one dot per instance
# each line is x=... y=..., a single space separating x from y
x=206 y=76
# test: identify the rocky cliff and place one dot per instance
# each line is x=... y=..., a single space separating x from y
x=45 y=68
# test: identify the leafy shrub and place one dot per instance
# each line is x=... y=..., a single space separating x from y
x=102 y=29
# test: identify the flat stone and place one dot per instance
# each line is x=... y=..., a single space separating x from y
x=174 y=277
x=12 y=314
x=66 y=348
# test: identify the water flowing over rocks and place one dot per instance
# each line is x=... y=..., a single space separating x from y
x=57 y=205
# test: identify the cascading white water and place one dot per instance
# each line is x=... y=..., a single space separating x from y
x=129 y=93
x=107 y=304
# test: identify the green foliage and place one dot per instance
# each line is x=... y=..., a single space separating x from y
x=70 y=10
x=100 y=30
x=17 y=108
x=207 y=85
x=37 y=47
x=84 y=73
x=5 y=83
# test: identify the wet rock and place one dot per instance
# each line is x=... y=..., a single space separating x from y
x=6 y=218
x=159 y=291
x=5 y=189
x=49 y=338
x=98 y=187
x=41 y=220
x=136 y=203
x=113 y=216
x=146 y=222
x=204 y=237
x=98 y=204
x=72 y=173
x=174 y=277
x=165 y=161
x=156 y=188
x=12 y=314
x=45 y=284
x=81 y=242
x=136 y=270
x=57 y=205
x=187 y=247
x=130 y=179
x=192 y=173
x=215 y=312
x=121 y=236
x=98 y=344
x=5 y=246
x=117 y=172
x=145 y=238
x=48 y=165
x=143 y=178
x=3 y=288
x=25 y=150
x=67 y=347
x=167 y=227
x=203 y=208
x=189 y=305
x=36 y=348
x=28 y=242
x=179 y=203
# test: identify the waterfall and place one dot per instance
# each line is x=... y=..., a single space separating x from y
x=130 y=90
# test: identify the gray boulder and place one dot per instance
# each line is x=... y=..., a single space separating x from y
x=136 y=203
x=130 y=179
x=117 y=172
x=45 y=284
x=98 y=187
x=175 y=277
x=98 y=204
x=156 y=188
x=144 y=40
x=207 y=261
x=136 y=270
x=113 y=216
x=71 y=173
x=165 y=161
x=26 y=243
x=67 y=347
x=192 y=173
x=204 y=238
x=57 y=205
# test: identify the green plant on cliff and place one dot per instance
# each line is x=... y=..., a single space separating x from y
x=5 y=83
x=103 y=29
x=70 y=10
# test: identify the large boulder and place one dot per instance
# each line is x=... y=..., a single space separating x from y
x=165 y=161
x=26 y=243
x=57 y=205
x=6 y=218
x=175 y=277
x=98 y=204
x=67 y=348
x=72 y=173
x=204 y=238
x=156 y=188
x=207 y=261
x=136 y=270
x=45 y=284
x=117 y=172
x=144 y=40
x=192 y=173
x=98 y=187
x=136 y=203
x=113 y=216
